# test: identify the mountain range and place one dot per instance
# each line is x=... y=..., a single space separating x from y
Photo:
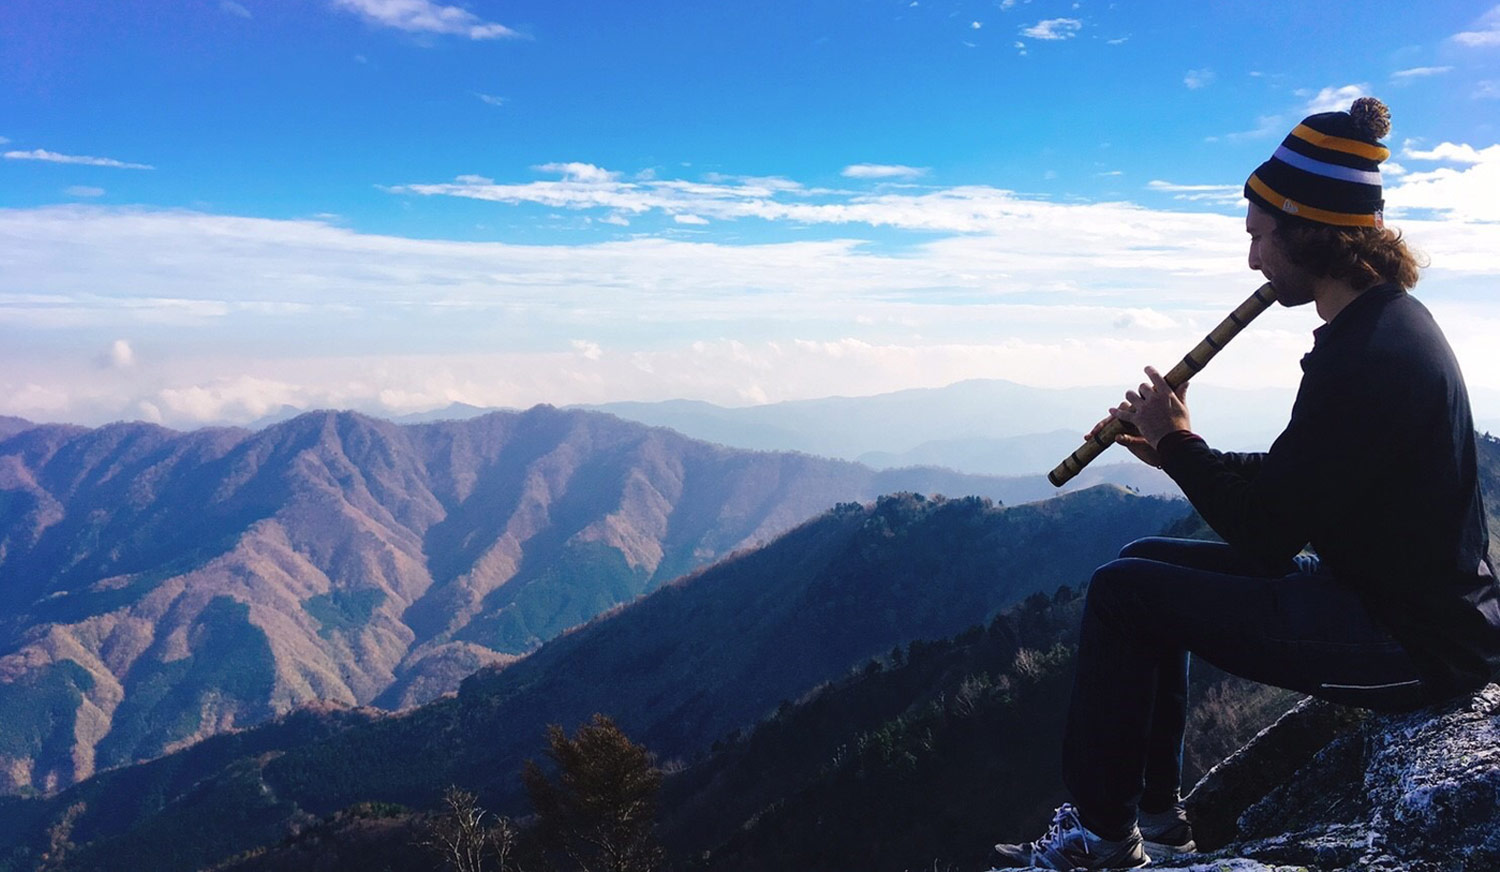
x=157 y=587
x=698 y=659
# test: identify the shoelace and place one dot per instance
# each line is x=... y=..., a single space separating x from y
x=1065 y=819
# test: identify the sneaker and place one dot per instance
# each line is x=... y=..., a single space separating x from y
x=1070 y=846
x=1167 y=833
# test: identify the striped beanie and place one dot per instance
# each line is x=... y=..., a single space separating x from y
x=1327 y=170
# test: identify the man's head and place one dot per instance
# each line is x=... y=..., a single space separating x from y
x=1318 y=206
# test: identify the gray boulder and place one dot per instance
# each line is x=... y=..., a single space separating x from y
x=1335 y=789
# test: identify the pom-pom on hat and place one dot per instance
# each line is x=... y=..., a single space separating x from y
x=1327 y=170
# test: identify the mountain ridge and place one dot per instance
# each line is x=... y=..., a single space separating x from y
x=763 y=626
x=379 y=563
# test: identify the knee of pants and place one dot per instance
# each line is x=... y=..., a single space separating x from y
x=1113 y=583
x=1142 y=547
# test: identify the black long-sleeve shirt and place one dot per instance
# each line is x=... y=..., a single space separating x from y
x=1377 y=470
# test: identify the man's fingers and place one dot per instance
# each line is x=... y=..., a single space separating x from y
x=1156 y=379
x=1182 y=391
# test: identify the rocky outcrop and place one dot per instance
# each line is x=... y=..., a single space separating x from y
x=1338 y=790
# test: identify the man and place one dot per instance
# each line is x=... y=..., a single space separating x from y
x=1376 y=471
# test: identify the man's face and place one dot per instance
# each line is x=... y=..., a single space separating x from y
x=1294 y=285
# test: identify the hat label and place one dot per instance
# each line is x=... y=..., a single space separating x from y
x=1288 y=206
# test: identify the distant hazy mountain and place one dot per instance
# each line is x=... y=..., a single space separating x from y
x=157 y=587
x=695 y=660
x=971 y=425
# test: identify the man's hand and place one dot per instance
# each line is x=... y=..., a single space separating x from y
x=1131 y=438
x=1152 y=411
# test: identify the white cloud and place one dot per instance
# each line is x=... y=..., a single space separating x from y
x=491 y=99
x=1121 y=40
x=1336 y=99
x=883 y=171
x=975 y=25
x=578 y=172
x=616 y=219
x=234 y=8
x=689 y=219
x=1488 y=89
x=1420 y=73
x=54 y=157
x=1196 y=79
x=119 y=355
x=1053 y=28
x=1463 y=194
x=1021 y=48
x=3 y=140
x=408 y=324
x=1486 y=33
x=1451 y=152
x=425 y=16
x=83 y=191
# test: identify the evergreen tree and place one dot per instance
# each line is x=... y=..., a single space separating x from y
x=600 y=811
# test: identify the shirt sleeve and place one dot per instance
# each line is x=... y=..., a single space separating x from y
x=1270 y=505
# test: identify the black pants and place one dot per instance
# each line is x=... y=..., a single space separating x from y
x=1166 y=598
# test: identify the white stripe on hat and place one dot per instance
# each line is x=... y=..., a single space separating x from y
x=1324 y=169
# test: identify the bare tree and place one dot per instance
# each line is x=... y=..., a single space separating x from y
x=465 y=841
x=60 y=838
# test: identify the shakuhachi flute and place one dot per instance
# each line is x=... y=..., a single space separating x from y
x=1195 y=360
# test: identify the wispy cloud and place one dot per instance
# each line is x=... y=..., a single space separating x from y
x=490 y=99
x=1053 y=28
x=1265 y=126
x=54 y=157
x=883 y=171
x=234 y=8
x=84 y=191
x=1218 y=194
x=1196 y=79
x=424 y=16
x=1486 y=32
x=1419 y=73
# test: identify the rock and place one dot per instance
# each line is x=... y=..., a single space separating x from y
x=1416 y=792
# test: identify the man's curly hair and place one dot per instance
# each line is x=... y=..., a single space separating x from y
x=1363 y=256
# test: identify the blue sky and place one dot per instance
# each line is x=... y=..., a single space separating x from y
x=208 y=209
